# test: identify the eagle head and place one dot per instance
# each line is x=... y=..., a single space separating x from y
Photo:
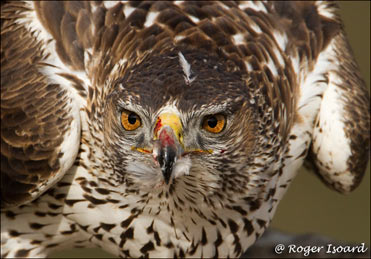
x=186 y=120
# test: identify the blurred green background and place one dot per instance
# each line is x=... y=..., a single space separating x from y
x=309 y=206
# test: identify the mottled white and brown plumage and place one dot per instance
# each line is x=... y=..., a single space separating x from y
x=169 y=129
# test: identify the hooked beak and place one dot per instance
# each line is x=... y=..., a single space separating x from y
x=168 y=143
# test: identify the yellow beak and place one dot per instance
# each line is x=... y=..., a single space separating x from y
x=171 y=120
x=168 y=144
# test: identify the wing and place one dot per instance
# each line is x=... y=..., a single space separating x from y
x=340 y=142
x=40 y=101
x=333 y=111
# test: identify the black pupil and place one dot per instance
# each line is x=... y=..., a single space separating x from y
x=212 y=122
x=132 y=118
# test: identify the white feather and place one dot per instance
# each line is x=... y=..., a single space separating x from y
x=193 y=18
x=182 y=167
x=109 y=4
x=272 y=67
x=145 y=174
x=255 y=5
x=248 y=66
x=178 y=2
x=324 y=9
x=170 y=107
x=128 y=10
x=331 y=144
x=312 y=84
x=255 y=27
x=178 y=38
x=238 y=39
x=150 y=19
x=186 y=69
x=281 y=39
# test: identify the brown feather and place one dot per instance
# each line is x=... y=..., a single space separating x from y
x=33 y=114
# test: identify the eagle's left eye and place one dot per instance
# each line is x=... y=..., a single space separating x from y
x=214 y=123
x=130 y=120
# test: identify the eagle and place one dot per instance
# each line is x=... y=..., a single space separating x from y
x=170 y=129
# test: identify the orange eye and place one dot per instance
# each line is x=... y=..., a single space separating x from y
x=214 y=123
x=130 y=120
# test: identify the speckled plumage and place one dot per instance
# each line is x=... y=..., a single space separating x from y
x=281 y=73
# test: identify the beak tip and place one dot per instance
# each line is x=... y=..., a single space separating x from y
x=166 y=159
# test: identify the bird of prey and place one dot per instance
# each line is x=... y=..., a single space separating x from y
x=169 y=129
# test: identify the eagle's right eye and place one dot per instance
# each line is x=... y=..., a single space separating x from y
x=130 y=120
x=214 y=123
